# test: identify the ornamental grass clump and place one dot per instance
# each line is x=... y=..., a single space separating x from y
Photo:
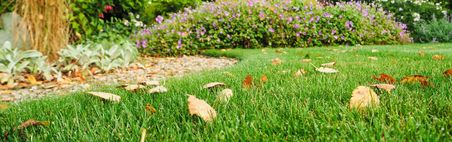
x=257 y=23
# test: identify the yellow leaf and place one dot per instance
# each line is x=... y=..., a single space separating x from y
x=106 y=96
x=276 y=61
x=438 y=57
x=32 y=80
x=150 y=109
x=143 y=135
x=363 y=97
x=201 y=108
x=299 y=73
x=330 y=64
x=326 y=70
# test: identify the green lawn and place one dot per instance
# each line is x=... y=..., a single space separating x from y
x=307 y=108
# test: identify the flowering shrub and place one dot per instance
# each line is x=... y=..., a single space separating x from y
x=433 y=31
x=256 y=23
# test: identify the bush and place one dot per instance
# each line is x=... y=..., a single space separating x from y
x=434 y=31
x=276 y=24
x=164 y=7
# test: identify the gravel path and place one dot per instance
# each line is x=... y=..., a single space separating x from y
x=146 y=69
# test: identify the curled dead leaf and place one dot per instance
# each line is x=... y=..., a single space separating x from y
x=438 y=57
x=364 y=97
x=151 y=83
x=106 y=96
x=133 y=87
x=326 y=70
x=448 y=73
x=299 y=73
x=248 y=82
x=416 y=78
x=276 y=61
x=330 y=64
x=224 y=95
x=386 y=87
x=385 y=78
x=201 y=108
x=158 y=89
x=28 y=123
x=213 y=84
x=150 y=109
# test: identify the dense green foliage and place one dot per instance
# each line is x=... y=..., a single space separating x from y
x=433 y=31
x=277 y=24
x=313 y=107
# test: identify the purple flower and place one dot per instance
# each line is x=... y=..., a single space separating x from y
x=261 y=15
x=144 y=43
x=298 y=34
x=271 y=30
x=179 y=43
x=250 y=3
x=296 y=26
x=333 y=32
x=290 y=19
x=159 y=19
x=348 y=24
x=138 y=43
x=327 y=15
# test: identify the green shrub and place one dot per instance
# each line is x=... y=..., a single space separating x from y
x=255 y=24
x=164 y=7
x=433 y=31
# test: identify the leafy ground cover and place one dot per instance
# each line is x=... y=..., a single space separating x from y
x=282 y=106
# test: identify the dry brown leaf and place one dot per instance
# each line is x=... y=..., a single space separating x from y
x=201 y=108
x=326 y=70
x=264 y=79
x=5 y=92
x=133 y=87
x=280 y=51
x=224 y=95
x=151 y=83
x=330 y=64
x=106 y=96
x=306 y=60
x=158 y=89
x=385 y=78
x=7 y=86
x=28 y=123
x=213 y=84
x=248 y=82
x=416 y=78
x=94 y=70
x=387 y=87
x=9 y=99
x=421 y=53
x=299 y=73
x=448 y=73
x=276 y=61
x=373 y=58
x=150 y=109
x=438 y=57
x=363 y=97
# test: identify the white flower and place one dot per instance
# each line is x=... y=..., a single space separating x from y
x=416 y=16
x=126 y=22
x=392 y=1
x=444 y=12
x=400 y=9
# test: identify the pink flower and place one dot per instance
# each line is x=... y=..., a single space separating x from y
x=159 y=19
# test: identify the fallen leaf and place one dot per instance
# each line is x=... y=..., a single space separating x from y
x=28 y=123
x=276 y=61
x=106 y=96
x=373 y=58
x=150 y=109
x=299 y=73
x=280 y=51
x=385 y=78
x=438 y=57
x=94 y=70
x=213 y=84
x=143 y=135
x=330 y=64
x=448 y=73
x=201 y=108
x=3 y=106
x=32 y=80
x=416 y=78
x=387 y=87
x=363 y=97
x=5 y=92
x=9 y=99
x=248 y=82
x=224 y=95
x=326 y=70
x=306 y=60
x=158 y=89
x=264 y=78
x=151 y=83
x=133 y=87
x=374 y=50
x=421 y=53
x=7 y=86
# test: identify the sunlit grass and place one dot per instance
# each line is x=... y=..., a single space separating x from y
x=311 y=107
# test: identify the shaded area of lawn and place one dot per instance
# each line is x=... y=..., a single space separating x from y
x=311 y=107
